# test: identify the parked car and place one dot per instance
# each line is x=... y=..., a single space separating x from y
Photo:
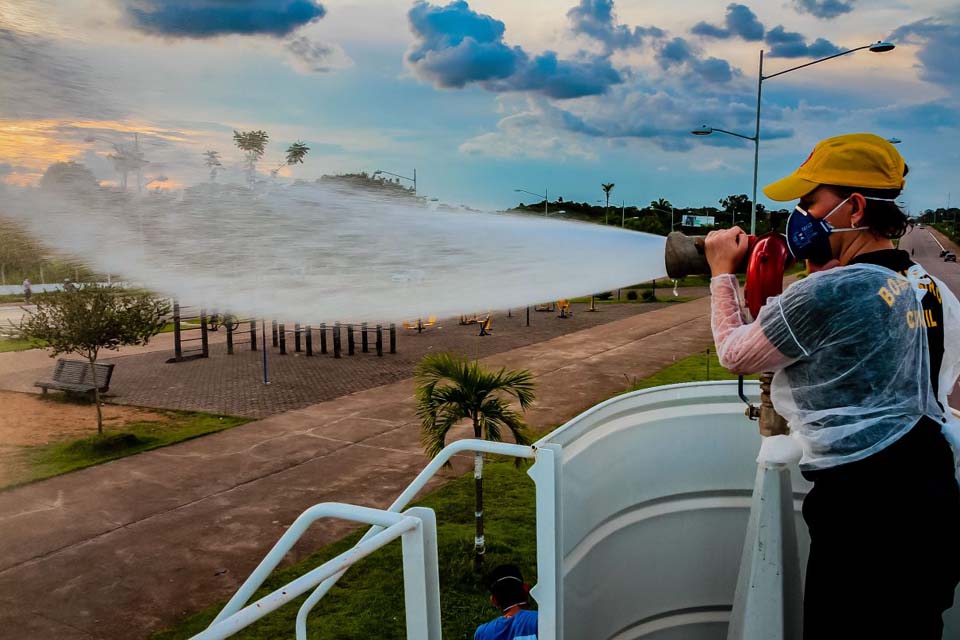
x=950 y=257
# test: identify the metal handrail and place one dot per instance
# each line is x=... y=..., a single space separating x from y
x=235 y=616
x=460 y=446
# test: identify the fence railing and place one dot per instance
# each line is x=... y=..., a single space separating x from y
x=421 y=586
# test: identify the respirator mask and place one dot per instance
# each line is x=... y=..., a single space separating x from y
x=808 y=238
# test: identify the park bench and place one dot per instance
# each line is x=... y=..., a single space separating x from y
x=74 y=376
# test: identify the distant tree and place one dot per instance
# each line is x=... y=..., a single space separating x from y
x=661 y=203
x=253 y=144
x=91 y=318
x=127 y=159
x=69 y=176
x=451 y=389
x=607 y=188
x=212 y=160
x=296 y=152
x=736 y=205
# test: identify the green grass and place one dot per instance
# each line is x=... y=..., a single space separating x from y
x=665 y=297
x=18 y=344
x=693 y=368
x=45 y=461
x=368 y=601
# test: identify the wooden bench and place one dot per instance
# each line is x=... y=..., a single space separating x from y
x=75 y=376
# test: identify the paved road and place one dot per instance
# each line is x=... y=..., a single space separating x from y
x=118 y=550
x=924 y=246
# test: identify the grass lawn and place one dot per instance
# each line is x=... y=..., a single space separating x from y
x=368 y=601
x=698 y=367
x=45 y=461
x=18 y=344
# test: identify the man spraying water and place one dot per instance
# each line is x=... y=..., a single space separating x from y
x=866 y=350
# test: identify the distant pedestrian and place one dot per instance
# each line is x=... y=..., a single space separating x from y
x=27 y=289
x=510 y=594
x=68 y=285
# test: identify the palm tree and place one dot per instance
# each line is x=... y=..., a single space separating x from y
x=212 y=160
x=661 y=203
x=296 y=152
x=451 y=389
x=253 y=144
x=607 y=188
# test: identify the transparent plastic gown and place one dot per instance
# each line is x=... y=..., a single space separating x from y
x=850 y=353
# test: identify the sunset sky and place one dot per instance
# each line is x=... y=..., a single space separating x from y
x=481 y=97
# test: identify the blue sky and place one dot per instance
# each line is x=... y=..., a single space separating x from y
x=480 y=97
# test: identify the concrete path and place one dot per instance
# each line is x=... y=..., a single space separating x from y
x=120 y=550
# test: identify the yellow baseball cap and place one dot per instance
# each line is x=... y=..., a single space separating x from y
x=853 y=160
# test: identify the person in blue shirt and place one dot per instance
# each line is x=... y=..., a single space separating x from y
x=510 y=594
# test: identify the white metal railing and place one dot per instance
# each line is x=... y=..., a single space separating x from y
x=417 y=529
x=421 y=590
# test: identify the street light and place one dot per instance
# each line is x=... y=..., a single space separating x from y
x=704 y=130
x=397 y=175
x=671 y=206
x=544 y=196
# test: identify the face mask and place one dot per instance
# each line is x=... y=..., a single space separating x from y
x=808 y=238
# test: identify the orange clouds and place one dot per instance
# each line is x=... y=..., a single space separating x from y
x=30 y=146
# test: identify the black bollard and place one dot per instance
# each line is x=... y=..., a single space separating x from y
x=309 y=331
x=364 y=342
x=229 y=338
x=336 y=340
x=282 y=332
x=323 y=338
x=296 y=337
x=204 y=341
x=253 y=335
x=393 y=338
x=276 y=339
x=177 y=347
x=350 y=344
x=528 y=316
x=380 y=340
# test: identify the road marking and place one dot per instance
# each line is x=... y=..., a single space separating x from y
x=937 y=241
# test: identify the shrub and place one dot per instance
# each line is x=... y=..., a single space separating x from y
x=631 y=295
x=606 y=295
x=649 y=296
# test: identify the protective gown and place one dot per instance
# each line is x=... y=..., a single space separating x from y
x=850 y=354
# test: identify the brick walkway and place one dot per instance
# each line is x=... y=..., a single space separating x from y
x=232 y=385
x=122 y=549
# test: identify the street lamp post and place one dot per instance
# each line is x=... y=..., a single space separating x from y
x=546 y=211
x=397 y=175
x=876 y=47
x=664 y=210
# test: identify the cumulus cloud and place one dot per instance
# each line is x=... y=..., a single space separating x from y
x=212 y=18
x=939 y=41
x=790 y=44
x=531 y=133
x=308 y=56
x=825 y=9
x=740 y=21
x=678 y=52
x=456 y=46
x=596 y=19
